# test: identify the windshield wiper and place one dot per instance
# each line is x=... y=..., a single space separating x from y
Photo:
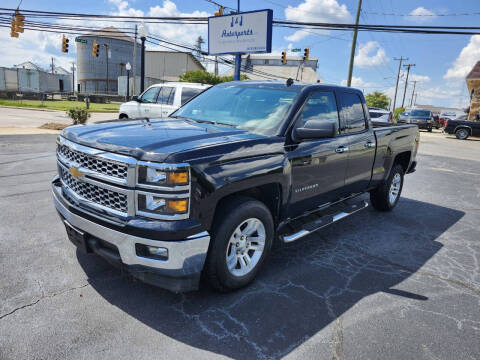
x=203 y=121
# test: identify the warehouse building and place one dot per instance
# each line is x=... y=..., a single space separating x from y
x=30 y=78
x=262 y=67
x=116 y=50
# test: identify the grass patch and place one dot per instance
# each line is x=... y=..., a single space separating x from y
x=54 y=126
x=60 y=105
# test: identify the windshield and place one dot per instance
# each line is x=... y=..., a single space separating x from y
x=257 y=109
x=420 y=113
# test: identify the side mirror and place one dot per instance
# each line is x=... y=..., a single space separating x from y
x=135 y=98
x=315 y=129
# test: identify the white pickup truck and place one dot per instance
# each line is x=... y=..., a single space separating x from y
x=160 y=100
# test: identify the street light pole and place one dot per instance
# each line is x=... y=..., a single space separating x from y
x=128 y=67
x=143 y=32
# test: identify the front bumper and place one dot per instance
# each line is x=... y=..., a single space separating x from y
x=179 y=273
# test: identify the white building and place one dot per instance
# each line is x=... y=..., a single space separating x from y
x=262 y=67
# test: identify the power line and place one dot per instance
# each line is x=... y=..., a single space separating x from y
x=424 y=15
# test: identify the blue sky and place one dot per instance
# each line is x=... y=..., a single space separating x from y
x=441 y=61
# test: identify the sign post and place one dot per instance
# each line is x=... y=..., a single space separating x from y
x=240 y=33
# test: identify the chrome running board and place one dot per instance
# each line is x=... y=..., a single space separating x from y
x=325 y=221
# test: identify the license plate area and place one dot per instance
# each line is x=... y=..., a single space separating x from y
x=77 y=237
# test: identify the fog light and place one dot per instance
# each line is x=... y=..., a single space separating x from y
x=151 y=252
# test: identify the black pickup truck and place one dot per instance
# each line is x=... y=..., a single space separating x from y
x=462 y=128
x=205 y=193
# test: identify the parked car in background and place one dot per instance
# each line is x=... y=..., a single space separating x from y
x=444 y=116
x=380 y=115
x=160 y=100
x=462 y=128
x=422 y=118
x=403 y=117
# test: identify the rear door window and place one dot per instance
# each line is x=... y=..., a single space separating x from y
x=166 y=95
x=188 y=93
x=352 y=115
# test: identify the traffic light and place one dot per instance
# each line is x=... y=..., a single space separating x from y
x=96 y=49
x=219 y=12
x=306 y=53
x=284 y=57
x=13 y=33
x=64 y=44
x=19 y=23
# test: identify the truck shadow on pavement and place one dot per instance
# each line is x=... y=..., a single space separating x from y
x=303 y=288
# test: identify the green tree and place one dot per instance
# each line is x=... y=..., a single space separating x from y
x=378 y=100
x=203 y=77
x=397 y=112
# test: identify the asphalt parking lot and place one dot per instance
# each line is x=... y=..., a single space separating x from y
x=399 y=285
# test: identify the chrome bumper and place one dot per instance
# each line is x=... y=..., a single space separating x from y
x=185 y=257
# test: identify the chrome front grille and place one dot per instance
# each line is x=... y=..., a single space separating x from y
x=92 y=163
x=96 y=194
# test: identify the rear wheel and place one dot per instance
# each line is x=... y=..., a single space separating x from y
x=385 y=197
x=429 y=129
x=462 y=134
x=241 y=239
x=123 y=116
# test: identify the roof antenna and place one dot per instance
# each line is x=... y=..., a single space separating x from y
x=289 y=82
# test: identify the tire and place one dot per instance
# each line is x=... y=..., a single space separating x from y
x=429 y=129
x=462 y=134
x=123 y=116
x=381 y=198
x=234 y=221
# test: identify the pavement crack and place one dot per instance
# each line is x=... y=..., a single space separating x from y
x=420 y=272
x=42 y=298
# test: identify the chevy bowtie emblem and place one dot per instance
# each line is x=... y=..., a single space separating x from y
x=75 y=172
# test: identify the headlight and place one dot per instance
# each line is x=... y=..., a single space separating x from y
x=150 y=204
x=163 y=190
x=163 y=175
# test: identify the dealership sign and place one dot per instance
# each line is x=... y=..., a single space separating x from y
x=242 y=33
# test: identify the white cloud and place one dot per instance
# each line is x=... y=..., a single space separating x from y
x=465 y=61
x=357 y=82
x=365 y=58
x=316 y=11
x=420 y=14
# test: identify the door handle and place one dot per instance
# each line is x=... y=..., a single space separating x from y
x=370 y=144
x=341 y=149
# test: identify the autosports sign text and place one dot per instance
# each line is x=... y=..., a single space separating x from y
x=248 y=32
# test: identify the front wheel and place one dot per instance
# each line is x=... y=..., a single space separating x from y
x=242 y=237
x=385 y=197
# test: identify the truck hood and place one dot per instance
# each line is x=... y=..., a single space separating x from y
x=156 y=140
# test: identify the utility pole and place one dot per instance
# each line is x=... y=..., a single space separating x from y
x=73 y=78
x=53 y=65
x=106 y=57
x=354 y=45
x=134 y=60
x=216 y=65
x=415 y=101
x=408 y=66
x=398 y=78
x=413 y=92
x=238 y=57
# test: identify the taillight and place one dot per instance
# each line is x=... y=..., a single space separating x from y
x=446 y=123
x=390 y=117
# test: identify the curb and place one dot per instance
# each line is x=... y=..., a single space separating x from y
x=53 y=110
